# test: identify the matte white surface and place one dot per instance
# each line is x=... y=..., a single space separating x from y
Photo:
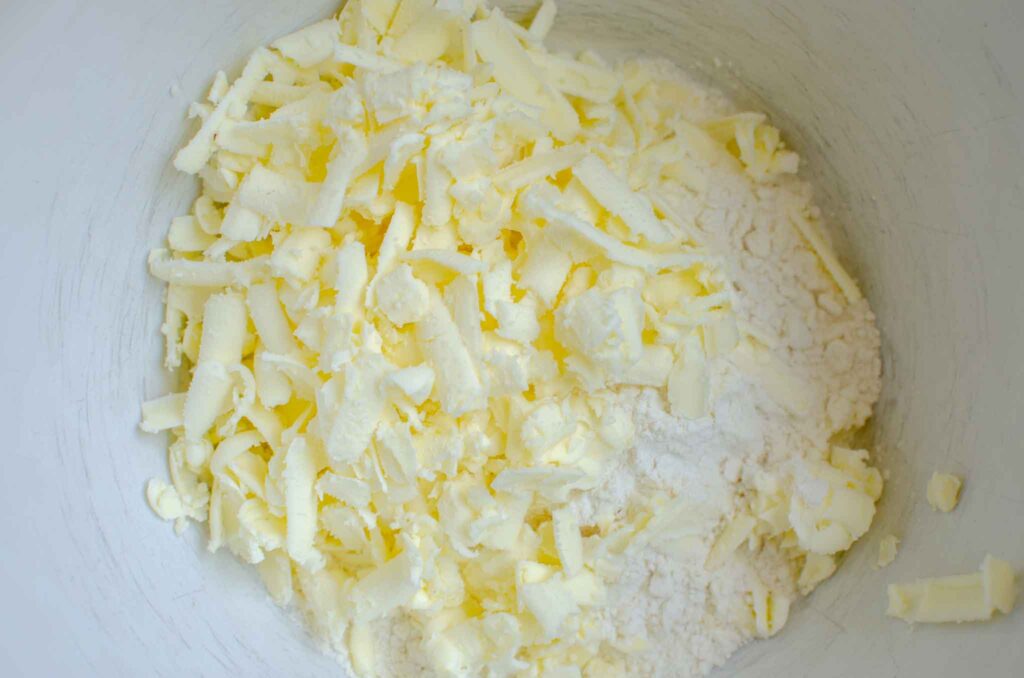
x=911 y=118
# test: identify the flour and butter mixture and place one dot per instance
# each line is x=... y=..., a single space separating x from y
x=502 y=361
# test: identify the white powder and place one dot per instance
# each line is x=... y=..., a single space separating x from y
x=689 y=619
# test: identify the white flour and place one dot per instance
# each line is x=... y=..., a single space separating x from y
x=691 y=619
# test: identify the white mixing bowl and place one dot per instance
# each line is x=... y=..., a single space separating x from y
x=909 y=114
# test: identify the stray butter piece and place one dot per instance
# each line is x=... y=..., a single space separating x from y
x=887 y=550
x=959 y=598
x=944 y=491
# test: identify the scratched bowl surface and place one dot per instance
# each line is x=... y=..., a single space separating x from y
x=910 y=116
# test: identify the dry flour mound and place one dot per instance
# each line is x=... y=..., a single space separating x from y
x=685 y=617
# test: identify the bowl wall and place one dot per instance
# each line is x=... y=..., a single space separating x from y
x=909 y=116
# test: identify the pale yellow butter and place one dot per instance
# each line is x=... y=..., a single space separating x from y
x=959 y=598
x=944 y=491
x=887 y=550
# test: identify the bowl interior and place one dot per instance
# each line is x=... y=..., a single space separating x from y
x=910 y=121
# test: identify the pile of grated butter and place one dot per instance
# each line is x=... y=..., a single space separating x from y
x=427 y=255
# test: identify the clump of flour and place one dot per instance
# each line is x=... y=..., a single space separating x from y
x=689 y=619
